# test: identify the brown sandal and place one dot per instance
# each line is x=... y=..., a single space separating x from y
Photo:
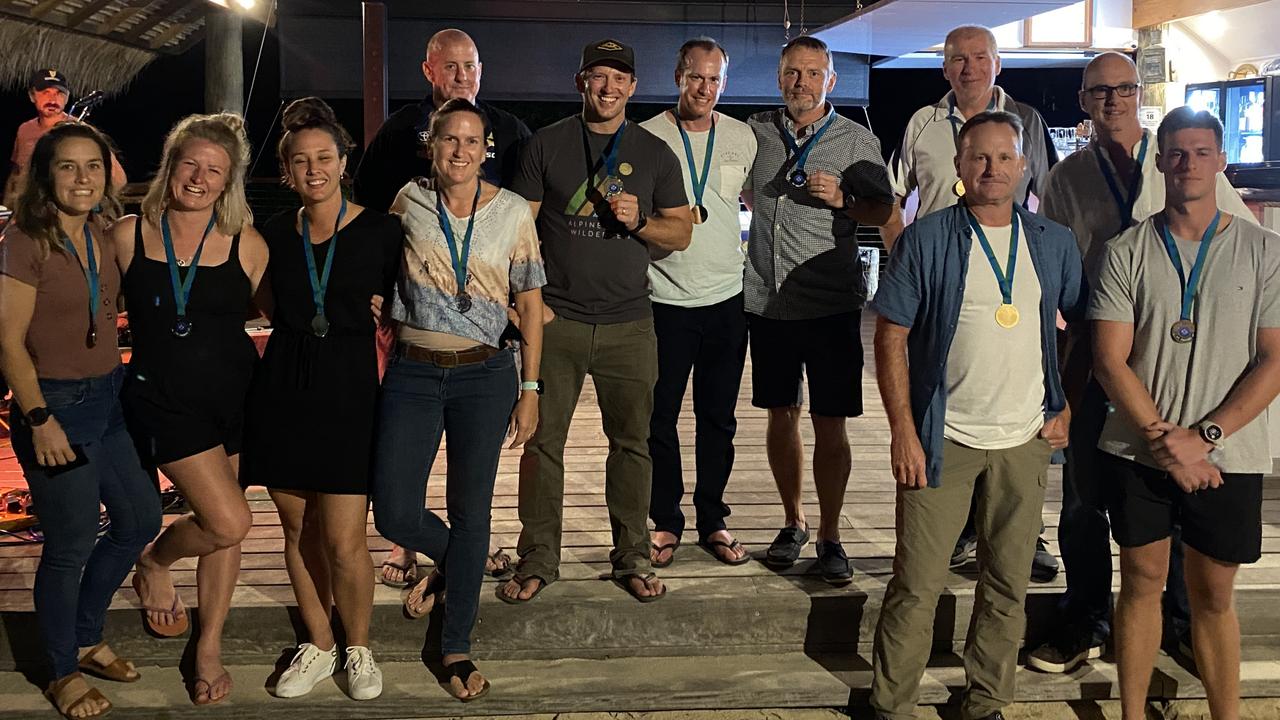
x=59 y=689
x=118 y=670
x=429 y=591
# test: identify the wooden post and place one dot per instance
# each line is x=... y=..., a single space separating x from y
x=223 y=62
x=375 y=68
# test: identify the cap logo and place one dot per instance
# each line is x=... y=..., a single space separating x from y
x=53 y=74
x=609 y=46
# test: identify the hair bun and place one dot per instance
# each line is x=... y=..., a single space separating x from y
x=307 y=112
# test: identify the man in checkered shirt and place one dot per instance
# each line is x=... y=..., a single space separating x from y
x=817 y=175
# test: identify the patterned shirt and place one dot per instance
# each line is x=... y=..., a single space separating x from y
x=802 y=257
x=504 y=258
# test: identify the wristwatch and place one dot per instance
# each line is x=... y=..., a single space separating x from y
x=849 y=200
x=1210 y=432
x=534 y=385
x=38 y=416
x=641 y=221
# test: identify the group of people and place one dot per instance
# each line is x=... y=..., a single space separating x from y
x=513 y=264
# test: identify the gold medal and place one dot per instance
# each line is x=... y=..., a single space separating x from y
x=958 y=189
x=625 y=169
x=1006 y=315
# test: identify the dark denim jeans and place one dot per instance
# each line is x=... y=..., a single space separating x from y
x=1084 y=532
x=79 y=572
x=420 y=402
x=711 y=343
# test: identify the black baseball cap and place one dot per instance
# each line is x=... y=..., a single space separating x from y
x=47 y=78
x=606 y=52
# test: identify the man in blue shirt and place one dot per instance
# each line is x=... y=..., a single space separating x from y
x=967 y=363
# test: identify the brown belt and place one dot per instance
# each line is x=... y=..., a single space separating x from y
x=446 y=358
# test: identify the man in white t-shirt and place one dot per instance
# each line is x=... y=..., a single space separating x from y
x=697 y=308
x=967 y=363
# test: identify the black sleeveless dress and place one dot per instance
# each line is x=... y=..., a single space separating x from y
x=310 y=413
x=185 y=395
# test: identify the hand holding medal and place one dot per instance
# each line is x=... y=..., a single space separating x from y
x=825 y=188
x=625 y=207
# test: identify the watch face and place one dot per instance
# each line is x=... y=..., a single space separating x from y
x=1213 y=433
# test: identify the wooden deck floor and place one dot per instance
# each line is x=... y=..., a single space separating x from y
x=867 y=519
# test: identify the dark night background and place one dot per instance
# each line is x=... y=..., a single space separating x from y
x=173 y=86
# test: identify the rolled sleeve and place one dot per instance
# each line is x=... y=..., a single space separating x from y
x=899 y=295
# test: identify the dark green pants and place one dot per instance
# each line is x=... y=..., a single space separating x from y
x=622 y=359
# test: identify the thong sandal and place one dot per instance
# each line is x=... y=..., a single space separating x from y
x=659 y=549
x=498 y=563
x=463 y=670
x=67 y=706
x=625 y=583
x=409 y=570
x=521 y=579
x=711 y=546
x=207 y=690
x=174 y=629
x=426 y=596
x=119 y=670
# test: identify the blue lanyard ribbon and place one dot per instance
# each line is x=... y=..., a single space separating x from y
x=458 y=257
x=1189 y=285
x=1123 y=204
x=802 y=154
x=956 y=123
x=699 y=184
x=182 y=285
x=320 y=283
x=1005 y=278
x=609 y=158
x=91 y=276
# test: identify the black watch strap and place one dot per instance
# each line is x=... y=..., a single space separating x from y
x=640 y=222
x=38 y=416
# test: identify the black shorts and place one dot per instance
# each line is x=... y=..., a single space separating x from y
x=1224 y=523
x=826 y=350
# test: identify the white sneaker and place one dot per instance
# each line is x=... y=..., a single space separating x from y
x=364 y=679
x=309 y=666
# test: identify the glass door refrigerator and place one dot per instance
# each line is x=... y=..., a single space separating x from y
x=1249 y=113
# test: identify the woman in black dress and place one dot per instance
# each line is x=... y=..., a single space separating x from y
x=311 y=409
x=191 y=263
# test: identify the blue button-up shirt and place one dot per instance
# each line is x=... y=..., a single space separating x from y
x=922 y=289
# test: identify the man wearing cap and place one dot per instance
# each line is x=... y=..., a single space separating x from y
x=49 y=92
x=606 y=193
x=697 y=307
x=398 y=152
x=817 y=175
x=924 y=163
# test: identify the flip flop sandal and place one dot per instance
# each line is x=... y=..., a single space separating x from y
x=427 y=597
x=498 y=564
x=659 y=549
x=174 y=629
x=463 y=670
x=196 y=690
x=522 y=579
x=409 y=568
x=67 y=707
x=625 y=584
x=119 y=670
x=711 y=545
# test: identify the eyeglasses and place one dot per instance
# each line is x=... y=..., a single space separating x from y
x=1101 y=92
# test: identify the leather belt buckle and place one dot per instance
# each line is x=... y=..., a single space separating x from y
x=445 y=359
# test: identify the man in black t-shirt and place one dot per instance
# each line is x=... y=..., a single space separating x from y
x=607 y=194
x=398 y=152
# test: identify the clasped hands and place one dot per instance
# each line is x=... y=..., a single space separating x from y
x=1183 y=454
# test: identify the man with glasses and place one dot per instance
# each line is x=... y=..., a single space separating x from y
x=1098 y=192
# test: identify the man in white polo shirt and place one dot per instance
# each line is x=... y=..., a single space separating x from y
x=697 y=308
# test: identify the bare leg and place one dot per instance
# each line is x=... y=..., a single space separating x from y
x=1138 y=624
x=786 y=459
x=1215 y=631
x=832 y=463
x=344 y=519
x=306 y=562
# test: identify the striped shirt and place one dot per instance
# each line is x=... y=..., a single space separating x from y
x=802 y=256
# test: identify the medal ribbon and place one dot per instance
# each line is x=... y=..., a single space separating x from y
x=91 y=276
x=1004 y=278
x=1189 y=285
x=320 y=283
x=699 y=185
x=802 y=154
x=609 y=158
x=182 y=285
x=956 y=123
x=1125 y=206
x=458 y=259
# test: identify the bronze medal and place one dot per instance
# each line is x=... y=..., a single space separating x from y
x=1183 y=331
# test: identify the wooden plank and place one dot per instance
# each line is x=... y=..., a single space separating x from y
x=44 y=7
x=121 y=16
x=1155 y=12
x=159 y=12
x=86 y=12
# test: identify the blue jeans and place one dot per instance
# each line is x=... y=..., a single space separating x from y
x=79 y=572
x=420 y=402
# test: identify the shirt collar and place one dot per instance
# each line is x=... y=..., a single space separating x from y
x=789 y=125
x=943 y=106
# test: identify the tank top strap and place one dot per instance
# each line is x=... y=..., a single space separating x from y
x=139 y=249
x=234 y=254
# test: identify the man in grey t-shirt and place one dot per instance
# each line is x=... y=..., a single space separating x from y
x=1186 y=337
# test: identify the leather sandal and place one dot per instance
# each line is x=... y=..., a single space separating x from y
x=118 y=670
x=69 y=693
